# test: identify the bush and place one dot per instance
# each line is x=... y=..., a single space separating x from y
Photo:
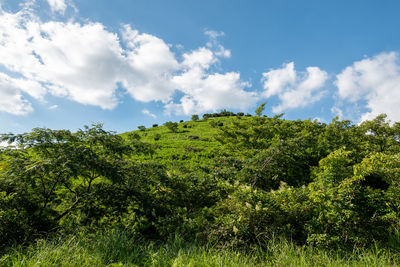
x=172 y=126
x=155 y=125
x=58 y=179
x=142 y=128
x=157 y=137
x=195 y=117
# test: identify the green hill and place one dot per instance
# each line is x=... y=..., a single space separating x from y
x=192 y=144
x=236 y=182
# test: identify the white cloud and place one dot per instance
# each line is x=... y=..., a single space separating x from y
x=88 y=64
x=64 y=59
x=207 y=91
x=210 y=92
x=148 y=113
x=201 y=58
x=220 y=51
x=150 y=66
x=57 y=5
x=374 y=81
x=276 y=81
x=294 y=90
x=11 y=99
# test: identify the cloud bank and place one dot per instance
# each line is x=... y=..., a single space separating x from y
x=87 y=63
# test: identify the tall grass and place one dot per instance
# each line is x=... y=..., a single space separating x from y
x=116 y=248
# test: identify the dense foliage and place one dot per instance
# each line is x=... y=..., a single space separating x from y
x=230 y=180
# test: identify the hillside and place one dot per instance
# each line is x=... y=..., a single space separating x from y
x=235 y=182
x=192 y=144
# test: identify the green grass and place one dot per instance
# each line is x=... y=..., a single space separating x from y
x=116 y=248
x=188 y=147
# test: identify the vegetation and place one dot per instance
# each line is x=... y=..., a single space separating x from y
x=230 y=190
x=172 y=126
x=195 y=117
x=116 y=248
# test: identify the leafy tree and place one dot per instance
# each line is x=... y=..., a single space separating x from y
x=195 y=117
x=260 y=109
x=142 y=128
x=172 y=126
x=53 y=173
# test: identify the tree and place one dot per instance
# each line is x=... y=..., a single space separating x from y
x=172 y=126
x=260 y=109
x=195 y=117
x=53 y=173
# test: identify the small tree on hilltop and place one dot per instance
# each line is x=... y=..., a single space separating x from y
x=172 y=126
x=260 y=109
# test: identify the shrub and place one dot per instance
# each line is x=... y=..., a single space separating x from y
x=157 y=137
x=195 y=117
x=155 y=125
x=172 y=126
x=142 y=128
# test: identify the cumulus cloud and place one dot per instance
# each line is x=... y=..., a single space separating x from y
x=150 y=64
x=65 y=59
x=206 y=91
x=210 y=92
x=374 y=83
x=294 y=90
x=87 y=63
x=11 y=99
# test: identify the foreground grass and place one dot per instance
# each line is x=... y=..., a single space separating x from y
x=117 y=249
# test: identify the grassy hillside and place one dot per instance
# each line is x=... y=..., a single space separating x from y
x=194 y=143
x=190 y=133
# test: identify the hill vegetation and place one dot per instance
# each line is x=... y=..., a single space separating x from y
x=222 y=184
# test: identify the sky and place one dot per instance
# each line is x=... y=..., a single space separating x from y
x=125 y=63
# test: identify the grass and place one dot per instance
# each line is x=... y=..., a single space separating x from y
x=116 y=248
x=189 y=147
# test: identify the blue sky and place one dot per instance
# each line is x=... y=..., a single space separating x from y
x=67 y=63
